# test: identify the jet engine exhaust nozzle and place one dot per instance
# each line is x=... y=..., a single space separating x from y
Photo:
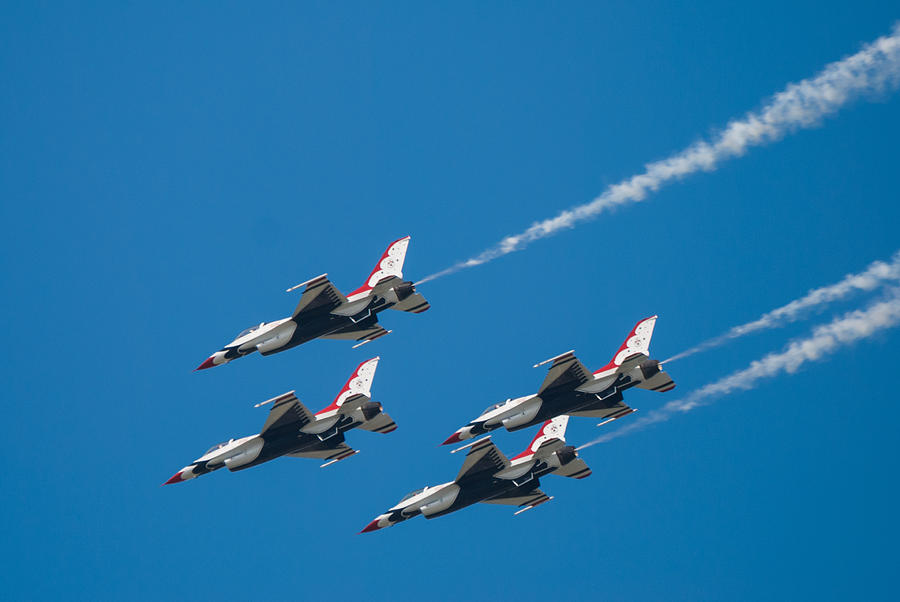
x=370 y=409
x=404 y=290
x=650 y=368
x=566 y=455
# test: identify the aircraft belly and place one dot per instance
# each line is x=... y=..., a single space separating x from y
x=478 y=491
x=278 y=339
x=463 y=500
x=319 y=326
x=304 y=333
x=281 y=446
x=246 y=454
x=441 y=503
x=264 y=456
x=305 y=442
x=553 y=407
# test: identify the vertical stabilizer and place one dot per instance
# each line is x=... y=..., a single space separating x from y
x=359 y=383
x=636 y=343
x=389 y=266
x=550 y=430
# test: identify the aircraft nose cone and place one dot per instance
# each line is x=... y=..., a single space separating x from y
x=454 y=438
x=373 y=526
x=176 y=478
x=206 y=364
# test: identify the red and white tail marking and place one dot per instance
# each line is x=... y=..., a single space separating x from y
x=636 y=343
x=390 y=264
x=552 y=429
x=359 y=383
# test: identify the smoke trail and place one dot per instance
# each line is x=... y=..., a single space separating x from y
x=874 y=69
x=874 y=276
x=823 y=341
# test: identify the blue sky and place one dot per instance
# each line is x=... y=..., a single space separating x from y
x=165 y=173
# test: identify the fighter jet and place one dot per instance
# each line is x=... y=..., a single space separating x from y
x=570 y=389
x=488 y=476
x=324 y=312
x=292 y=430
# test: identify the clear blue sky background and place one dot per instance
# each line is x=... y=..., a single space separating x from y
x=165 y=173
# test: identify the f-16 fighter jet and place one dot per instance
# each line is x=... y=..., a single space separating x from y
x=292 y=430
x=570 y=389
x=488 y=476
x=324 y=312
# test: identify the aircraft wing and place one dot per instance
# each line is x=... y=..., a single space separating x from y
x=604 y=409
x=482 y=457
x=566 y=372
x=363 y=335
x=522 y=497
x=287 y=410
x=319 y=292
x=331 y=454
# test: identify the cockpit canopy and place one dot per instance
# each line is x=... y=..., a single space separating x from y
x=218 y=446
x=247 y=331
x=492 y=407
x=412 y=494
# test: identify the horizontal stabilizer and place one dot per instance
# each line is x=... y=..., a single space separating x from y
x=576 y=469
x=661 y=382
x=382 y=423
x=414 y=304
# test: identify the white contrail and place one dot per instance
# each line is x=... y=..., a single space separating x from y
x=877 y=274
x=874 y=69
x=823 y=341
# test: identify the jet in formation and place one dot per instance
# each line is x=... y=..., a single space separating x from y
x=488 y=476
x=292 y=430
x=569 y=388
x=324 y=312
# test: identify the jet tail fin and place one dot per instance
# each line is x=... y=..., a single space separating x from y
x=358 y=385
x=633 y=357
x=549 y=438
x=636 y=345
x=389 y=266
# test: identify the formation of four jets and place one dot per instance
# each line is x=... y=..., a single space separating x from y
x=487 y=475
